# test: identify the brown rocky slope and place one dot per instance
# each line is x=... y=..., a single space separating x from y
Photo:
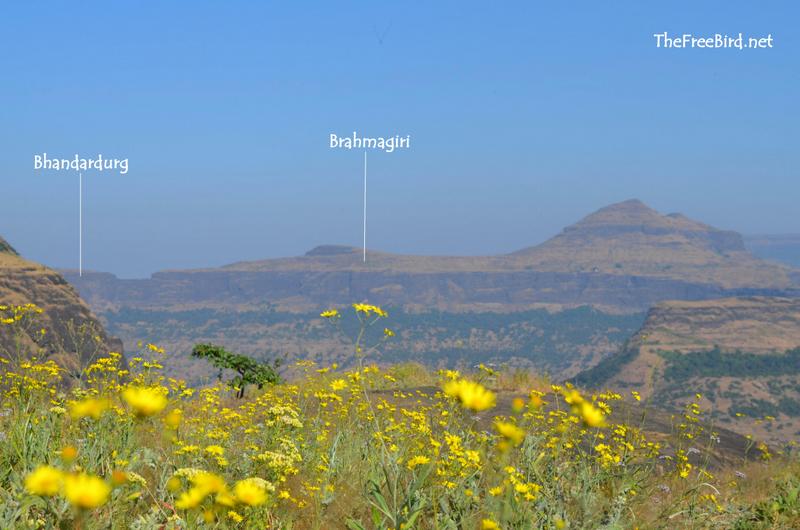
x=73 y=334
x=741 y=354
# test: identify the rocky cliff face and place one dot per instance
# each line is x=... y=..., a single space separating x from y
x=741 y=354
x=449 y=291
x=752 y=324
x=73 y=334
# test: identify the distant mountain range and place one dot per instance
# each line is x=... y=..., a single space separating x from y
x=624 y=257
x=561 y=306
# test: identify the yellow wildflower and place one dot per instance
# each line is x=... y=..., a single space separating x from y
x=573 y=397
x=591 y=415
x=215 y=450
x=86 y=491
x=190 y=498
x=510 y=432
x=417 y=461
x=472 y=395
x=44 y=481
x=208 y=482
x=224 y=498
x=367 y=309
x=250 y=491
x=155 y=349
x=173 y=418
x=88 y=408
x=145 y=401
x=338 y=384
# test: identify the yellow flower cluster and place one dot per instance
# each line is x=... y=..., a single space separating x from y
x=470 y=394
x=367 y=310
x=379 y=445
x=79 y=489
x=145 y=401
x=16 y=313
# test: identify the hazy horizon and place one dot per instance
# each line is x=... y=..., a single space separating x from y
x=232 y=260
x=522 y=121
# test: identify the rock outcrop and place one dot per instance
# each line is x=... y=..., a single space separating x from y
x=73 y=335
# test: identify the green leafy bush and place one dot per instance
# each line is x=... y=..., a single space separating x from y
x=249 y=371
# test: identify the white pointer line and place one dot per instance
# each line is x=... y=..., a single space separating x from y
x=365 y=206
x=80 y=224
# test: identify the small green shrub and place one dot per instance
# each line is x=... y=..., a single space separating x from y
x=249 y=371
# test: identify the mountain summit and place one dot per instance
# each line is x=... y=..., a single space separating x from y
x=631 y=238
x=640 y=224
x=630 y=212
x=633 y=216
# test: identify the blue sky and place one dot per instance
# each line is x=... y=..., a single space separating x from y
x=524 y=117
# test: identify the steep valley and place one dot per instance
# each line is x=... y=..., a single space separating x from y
x=560 y=343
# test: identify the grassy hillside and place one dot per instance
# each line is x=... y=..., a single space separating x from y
x=369 y=448
x=359 y=449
